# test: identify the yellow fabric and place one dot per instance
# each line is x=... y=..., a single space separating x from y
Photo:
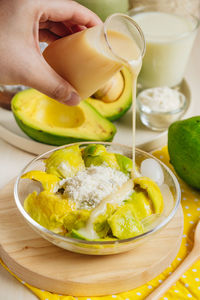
x=188 y=287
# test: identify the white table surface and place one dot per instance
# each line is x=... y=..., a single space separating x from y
x=12 y=160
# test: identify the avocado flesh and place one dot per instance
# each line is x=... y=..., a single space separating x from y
x=115 y=110
x=141 y=205
x=66 y=162
x=47 y=209
x=153 y=192
x=50 y=122
x=97 y=155
x=124 y=223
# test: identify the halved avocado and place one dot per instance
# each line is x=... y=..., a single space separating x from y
x=115 y=110
x=50 y=122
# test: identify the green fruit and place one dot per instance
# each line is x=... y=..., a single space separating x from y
x=50 y=122
x=104 y=8
x=115 y=110
x=184 y=149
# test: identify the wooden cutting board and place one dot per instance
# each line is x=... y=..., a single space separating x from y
x=43 y=265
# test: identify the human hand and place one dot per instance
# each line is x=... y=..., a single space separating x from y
x=23 y=24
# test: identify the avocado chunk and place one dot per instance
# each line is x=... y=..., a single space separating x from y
x=49 y=181
x=152 y=190
x=125 y=163
x=66 y=162
x=184 y=149
x=77 y=235
x=101 y=225
x=115 y=110
x=50 y=122
x=48 y=210
x=97 y=155
x=124 y=223
x=76 y=219
x=141 y=205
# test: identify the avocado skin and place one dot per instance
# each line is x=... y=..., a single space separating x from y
x=122 y=110
x=184 y=149
x=52 y=139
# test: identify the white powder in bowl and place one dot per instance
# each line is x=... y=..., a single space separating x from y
x=161 y=99
x=93 y=184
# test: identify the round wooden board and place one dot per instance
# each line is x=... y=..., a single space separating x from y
x=43 y=265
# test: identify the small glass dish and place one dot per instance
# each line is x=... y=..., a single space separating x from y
x=23 y=187
x=159 y=120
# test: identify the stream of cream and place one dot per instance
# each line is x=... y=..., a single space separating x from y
x=125 y=47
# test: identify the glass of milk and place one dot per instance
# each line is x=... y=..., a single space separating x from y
x=169 y=38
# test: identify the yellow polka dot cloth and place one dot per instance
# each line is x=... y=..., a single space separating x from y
x=188 y=287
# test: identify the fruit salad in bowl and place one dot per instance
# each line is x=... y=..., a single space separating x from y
x=82 y=197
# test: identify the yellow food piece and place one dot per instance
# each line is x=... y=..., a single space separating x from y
x=124 y=223
x=101 y=225
x=48 y=209
x=49 y=181
x=76 y=219
x=141 y=205
x=145 y=184
x=97 y=155
x=65 y=162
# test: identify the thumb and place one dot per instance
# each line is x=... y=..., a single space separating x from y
x=43 y=78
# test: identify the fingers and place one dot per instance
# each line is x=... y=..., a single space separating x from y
x=43 y=78
x=55 y=27
x=62 y=10
x=46 y=36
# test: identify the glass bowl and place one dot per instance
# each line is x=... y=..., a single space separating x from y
x=159 y=120
x=25 y=186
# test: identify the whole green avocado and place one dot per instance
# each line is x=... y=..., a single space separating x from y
x=184 y=149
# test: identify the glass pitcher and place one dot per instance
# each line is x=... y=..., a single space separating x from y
x=88 y=59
